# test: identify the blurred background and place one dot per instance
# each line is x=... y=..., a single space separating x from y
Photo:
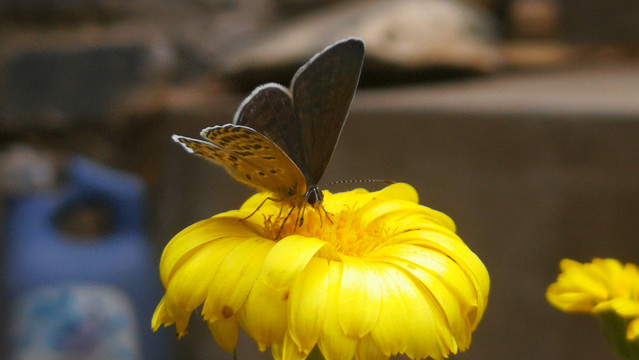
x=518 y=118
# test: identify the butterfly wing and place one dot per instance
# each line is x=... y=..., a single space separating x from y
x=322 y=93
x=269 y=110
x=249 y=158
x=280 y=142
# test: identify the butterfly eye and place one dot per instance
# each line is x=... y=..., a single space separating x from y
x=314 y=195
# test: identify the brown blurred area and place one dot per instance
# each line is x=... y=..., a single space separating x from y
x=536 y=158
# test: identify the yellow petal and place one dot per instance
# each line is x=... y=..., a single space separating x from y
x=333 y=343
x=399 y=191
x=161 y=316
x=624 y=307
x=360 y=297
x=339 y=202
x=254 y=202
x=225 y=332
x=290 y=350
x=566 y=264
x=388 y=331
x=578 y=288
x=287 y=259
x=406 y=323
x=451 y=314
x=367 y=350
x=448 y=285
x=631 y=272
x=451 y=246
x=277 y=350
x=234 y=277
x=632 y=333
x=263 y=316
x=381 y=211
x=307 y=305
x=403 y=216
x=166 y=316
x=190 y=281
x=425 y=322
x=187 y=241
x=569 y=301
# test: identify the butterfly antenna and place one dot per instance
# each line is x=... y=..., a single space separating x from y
x=367 y=181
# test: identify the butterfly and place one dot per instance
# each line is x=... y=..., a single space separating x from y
x=281 y=139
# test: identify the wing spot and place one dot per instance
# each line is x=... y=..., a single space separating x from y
x=261 y=173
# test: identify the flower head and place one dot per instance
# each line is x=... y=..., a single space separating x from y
x=376 y=275
x=605 y=288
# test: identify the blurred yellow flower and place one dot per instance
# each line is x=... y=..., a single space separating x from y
x=382 y=275
x=606 y=288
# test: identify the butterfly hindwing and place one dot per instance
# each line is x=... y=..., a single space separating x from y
x=250 y=158
x=322 y=93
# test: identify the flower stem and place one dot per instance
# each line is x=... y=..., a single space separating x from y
x=614 y=329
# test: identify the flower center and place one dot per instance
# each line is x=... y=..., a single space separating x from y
x=345 y=230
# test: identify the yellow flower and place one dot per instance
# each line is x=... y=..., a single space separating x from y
x=605 y=288
x=374 y=276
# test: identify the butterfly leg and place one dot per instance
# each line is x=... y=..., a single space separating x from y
x=260 y=206
x=325 y=213
x=284 y=222
x=279 y=214
x=300 y=217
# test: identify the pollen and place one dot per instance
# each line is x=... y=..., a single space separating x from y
x=346 y=230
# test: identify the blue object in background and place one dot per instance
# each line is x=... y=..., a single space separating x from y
x=51 y=276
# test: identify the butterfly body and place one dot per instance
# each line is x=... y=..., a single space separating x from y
x=281 y=139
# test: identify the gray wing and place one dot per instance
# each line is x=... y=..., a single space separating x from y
x=322 y=93
x=269 y=111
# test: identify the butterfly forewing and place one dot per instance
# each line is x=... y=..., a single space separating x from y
x=322 y=93
x=269 y=111
x=249 y=158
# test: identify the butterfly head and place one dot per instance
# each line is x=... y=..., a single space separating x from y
x=314 y=196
